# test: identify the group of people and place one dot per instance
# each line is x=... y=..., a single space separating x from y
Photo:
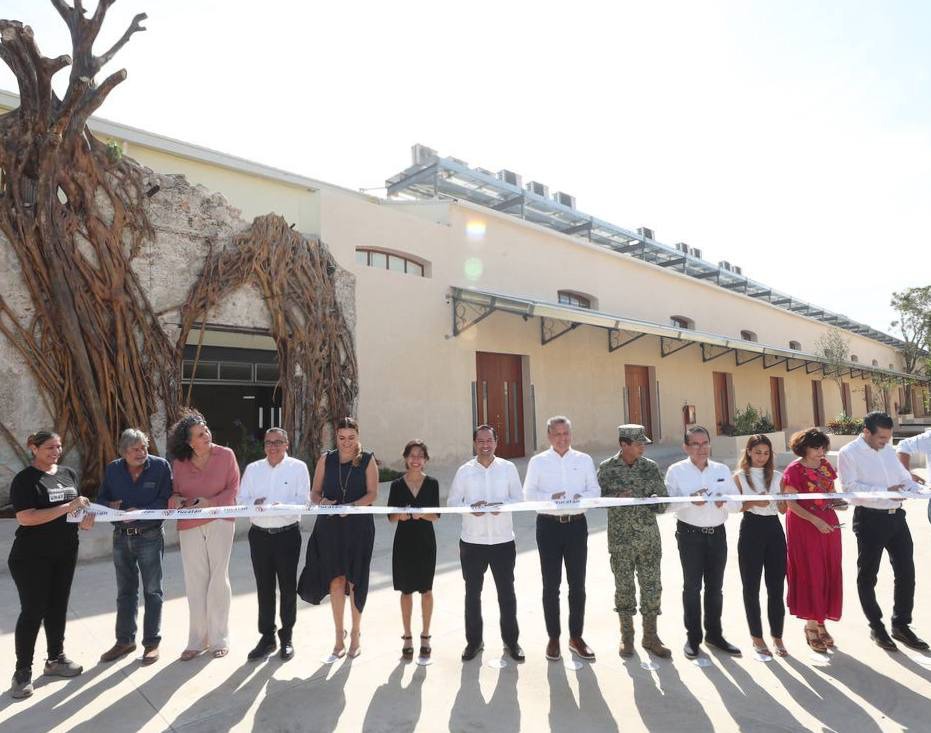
x=338 y=556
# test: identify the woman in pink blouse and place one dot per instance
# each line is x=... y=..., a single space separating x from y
x=205 y=475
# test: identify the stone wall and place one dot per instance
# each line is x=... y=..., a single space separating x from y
x=187 y=220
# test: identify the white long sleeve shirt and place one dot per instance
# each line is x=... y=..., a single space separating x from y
x=916 y=444
x=685 y=478
x=860 y=468
x=286 y=483
x=549 y=473
x=499 y=482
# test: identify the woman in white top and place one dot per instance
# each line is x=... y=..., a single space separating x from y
x=761 y=549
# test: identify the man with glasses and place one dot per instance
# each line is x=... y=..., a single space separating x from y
x=701 y=538
x=275 y=541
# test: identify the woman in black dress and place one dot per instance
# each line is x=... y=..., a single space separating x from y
x=414 y=559
x=339 y=551
x=43 y=557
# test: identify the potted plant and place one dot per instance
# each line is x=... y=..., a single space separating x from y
x=844 y=429
x=749 y=421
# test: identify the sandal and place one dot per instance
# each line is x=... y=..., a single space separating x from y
x=342 y=652
x=814 y=640
x=425 y=648
x=407 y=651
x=826 y=638
x=220 y=653
x=780 y=648
x=761 y=649
x=357 y=650
x=188 y=654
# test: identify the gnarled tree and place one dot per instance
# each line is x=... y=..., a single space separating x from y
x=73 y=211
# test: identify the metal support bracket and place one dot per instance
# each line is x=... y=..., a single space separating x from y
x=615 y=341
x=551 y=329
x=812 y=366
x=778 y=360
x=466 y=315
x=745 y=361
x=800 y=364
x=708 y=353
x=665 y=350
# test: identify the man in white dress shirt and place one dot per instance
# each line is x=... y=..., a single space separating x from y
x=487 y=539
x=701 y=538
x=920 y=443
x=562 y=534
x=869 y=464
x=275 y=541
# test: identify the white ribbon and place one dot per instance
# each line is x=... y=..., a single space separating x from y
x=105 y=514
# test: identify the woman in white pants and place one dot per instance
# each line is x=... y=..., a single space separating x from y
x=205 y=475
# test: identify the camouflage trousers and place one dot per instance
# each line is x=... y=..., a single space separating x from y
x=642 y=558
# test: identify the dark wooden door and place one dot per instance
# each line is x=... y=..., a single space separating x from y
x=775 y=398
x=500 y=399
x=722 y=401
x=817 y=403
x=637 y=381
x=847 y=402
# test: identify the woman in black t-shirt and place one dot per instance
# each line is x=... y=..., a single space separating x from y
x=43 y=557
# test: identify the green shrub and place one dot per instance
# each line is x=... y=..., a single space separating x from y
x=388 y=474
x=844 y=425
x=750 y=421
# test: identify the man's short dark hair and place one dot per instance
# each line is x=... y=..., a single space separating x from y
x=483 y=426
x=877 y=419
x=692 y=431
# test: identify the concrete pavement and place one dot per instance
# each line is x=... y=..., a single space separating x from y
x=860 y=688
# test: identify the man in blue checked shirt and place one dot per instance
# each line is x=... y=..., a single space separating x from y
x=137 y=480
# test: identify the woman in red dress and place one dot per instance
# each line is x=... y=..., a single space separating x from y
x=813 y=539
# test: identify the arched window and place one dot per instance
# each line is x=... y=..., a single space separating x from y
x=571 y=297
x=875 y=362
x=795 y=346
x=748 y=336
x=682 y=322
x=394 y=261
x=854 y=357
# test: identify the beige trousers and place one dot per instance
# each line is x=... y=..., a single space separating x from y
x=205 y=555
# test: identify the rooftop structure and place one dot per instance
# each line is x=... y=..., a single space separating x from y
x=433 y=176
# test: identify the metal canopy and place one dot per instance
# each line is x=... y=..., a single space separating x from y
x=471 y=306
x=450 y=177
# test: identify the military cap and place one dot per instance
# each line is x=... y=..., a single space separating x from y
x=633 y=433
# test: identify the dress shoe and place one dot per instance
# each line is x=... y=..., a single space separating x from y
x=724 y=645
x=287 y=651
x=907 y=637
x=150 y=654
x=552 y=650
x=262 y=649
x=516 y=653
x=881 y=637
x=471 y=651
x=116 y=651
x=582 y=650
x=690 y=650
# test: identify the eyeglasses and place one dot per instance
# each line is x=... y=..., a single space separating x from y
x=276 y=443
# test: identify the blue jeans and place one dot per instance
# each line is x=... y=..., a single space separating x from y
x=135 y=555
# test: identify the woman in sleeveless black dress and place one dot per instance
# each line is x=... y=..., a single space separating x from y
x=340 y=548
x=414 y=557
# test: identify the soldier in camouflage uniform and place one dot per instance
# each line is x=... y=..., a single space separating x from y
x=633 y=537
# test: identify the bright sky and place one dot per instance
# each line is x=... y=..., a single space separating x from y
x=792 y=138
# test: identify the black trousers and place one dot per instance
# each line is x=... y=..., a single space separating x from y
x=703 y=556
x=43 y=579
x=563 y=543
x=761 y=550
x=475 y=560
x=878 y=530
x=275 y=557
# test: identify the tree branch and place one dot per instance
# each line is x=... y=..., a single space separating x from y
x=134 y=27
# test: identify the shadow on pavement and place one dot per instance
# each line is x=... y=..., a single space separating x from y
x=500 y=714
x=395 y=708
